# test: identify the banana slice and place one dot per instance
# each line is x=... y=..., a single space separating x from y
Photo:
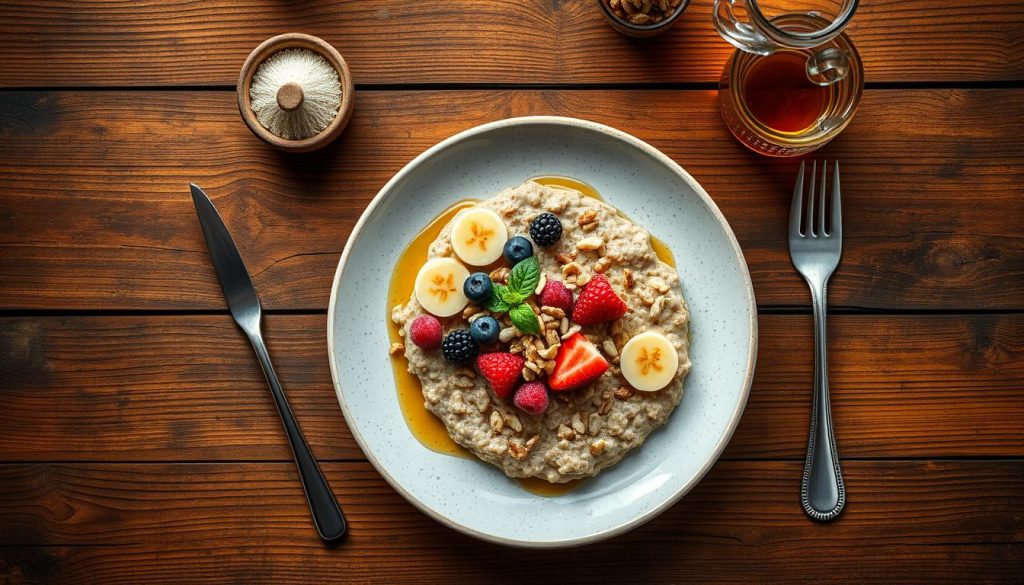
x=479 y=236
x=438 y=286
x=649 y=361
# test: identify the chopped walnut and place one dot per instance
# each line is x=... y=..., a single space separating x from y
x=517 y=451
x=500 y=274
x=578 y=424
x=565 y=433
x=540 y=284
x=460 y=381
x=570 y=269
x=657 y=307
x=627 y=278
x=507 y=334
x=497 y=422
x=396 y=348
x=563 y=258
x=514 y=423
x=588 y=216
x=531 y=442
x=553 y=312
x=624 y=393
x=609 y=348
x=590 y=243
x=597 y=447
x=551 y=337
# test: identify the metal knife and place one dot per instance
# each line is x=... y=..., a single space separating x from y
x=245 y=308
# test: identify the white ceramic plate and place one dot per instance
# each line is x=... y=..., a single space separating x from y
x=474 y=497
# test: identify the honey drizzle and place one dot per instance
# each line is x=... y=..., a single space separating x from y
x=427 y=428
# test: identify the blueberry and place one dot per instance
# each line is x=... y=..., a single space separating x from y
x=478 y=287
x=459 y=348
x=484 y=330
x=518 y=249
x=546 y=229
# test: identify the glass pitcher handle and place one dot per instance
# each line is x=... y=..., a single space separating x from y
x=828 y=66
x=741 y=35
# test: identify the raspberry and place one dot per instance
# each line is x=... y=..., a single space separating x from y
x=425 y=332
x=501 y=370
x=532 y=398
x=556 y=295
x=459 y=348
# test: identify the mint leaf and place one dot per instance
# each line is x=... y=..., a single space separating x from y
x=523 y=318
x=497 y=304
x=510 y=296
x=525 y=276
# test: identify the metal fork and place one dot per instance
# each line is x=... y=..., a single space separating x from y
x=815 y=252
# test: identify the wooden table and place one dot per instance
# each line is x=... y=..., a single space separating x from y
x=138 y=443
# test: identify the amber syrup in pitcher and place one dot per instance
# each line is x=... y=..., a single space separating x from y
x=778 y=93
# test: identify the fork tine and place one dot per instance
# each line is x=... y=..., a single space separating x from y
x=837 y=208
x=810 y=201
x=821 y=201
x=796 y=210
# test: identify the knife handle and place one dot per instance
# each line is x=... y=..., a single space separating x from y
x=327 y=516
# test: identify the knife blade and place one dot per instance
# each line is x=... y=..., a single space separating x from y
x=231 y=271
x=245 y=309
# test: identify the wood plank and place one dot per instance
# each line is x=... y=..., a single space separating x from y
x=95 y=213
x=244 y=523
x=188 y=388
x=103 y=43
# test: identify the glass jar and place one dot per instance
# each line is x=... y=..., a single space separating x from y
x=795 y=81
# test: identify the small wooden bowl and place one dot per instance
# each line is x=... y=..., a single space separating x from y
x=296 y=41
x=640 y=31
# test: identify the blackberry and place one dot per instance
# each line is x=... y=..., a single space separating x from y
x=459 y=348
x=546 y=229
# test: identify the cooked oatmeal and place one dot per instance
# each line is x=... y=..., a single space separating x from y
x=582 y=431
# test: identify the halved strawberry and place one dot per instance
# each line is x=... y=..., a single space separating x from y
x=577 y=364
x=502 y=371
x=598 y=302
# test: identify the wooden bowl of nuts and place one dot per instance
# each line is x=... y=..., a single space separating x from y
x=642 y=18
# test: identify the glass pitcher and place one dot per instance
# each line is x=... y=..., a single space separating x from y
x=796 y=79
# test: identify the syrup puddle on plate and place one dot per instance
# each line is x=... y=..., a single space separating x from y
x=427 y=428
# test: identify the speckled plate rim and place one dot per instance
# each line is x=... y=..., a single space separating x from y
x=670 y=164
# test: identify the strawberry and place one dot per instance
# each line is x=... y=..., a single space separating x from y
x=502 y=371
x=425 y=332
x=577 y=364
x=532 y=398
x=598 y=302
x=556 y=295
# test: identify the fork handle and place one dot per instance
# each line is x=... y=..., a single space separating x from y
x=822 y=492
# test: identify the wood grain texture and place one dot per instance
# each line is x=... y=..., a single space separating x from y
x=95 y=213
x=104 y=43
x=188 y=388
x=247 y=523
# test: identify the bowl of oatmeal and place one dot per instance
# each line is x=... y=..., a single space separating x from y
x=542 y=332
